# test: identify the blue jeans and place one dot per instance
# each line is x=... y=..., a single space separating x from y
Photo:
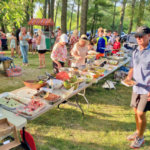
x=24 y=52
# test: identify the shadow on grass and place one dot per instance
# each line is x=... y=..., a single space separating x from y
x=97 y=95
x=100 y=114
x=62 y=144
x=73 y=119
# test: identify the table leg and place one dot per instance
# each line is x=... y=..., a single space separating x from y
x=83 y=95
x=79 y=105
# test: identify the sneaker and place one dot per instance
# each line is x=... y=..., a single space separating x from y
x=132 y=136
x=137 y=143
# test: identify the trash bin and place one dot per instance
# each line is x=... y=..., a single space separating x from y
x=49 y=43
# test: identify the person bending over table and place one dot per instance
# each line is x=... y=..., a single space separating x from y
x=79 y=51
x=59 y=53
x=140 y=71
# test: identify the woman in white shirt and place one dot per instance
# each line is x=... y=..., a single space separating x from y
x=41 y=47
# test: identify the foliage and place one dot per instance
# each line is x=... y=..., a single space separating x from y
x=13 y=13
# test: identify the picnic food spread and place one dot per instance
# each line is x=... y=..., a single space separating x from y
x=44 y=92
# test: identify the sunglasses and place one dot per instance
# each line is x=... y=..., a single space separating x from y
x=84 y=38
x=139 y=36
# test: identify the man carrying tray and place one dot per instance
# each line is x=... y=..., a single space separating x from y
x=140 y=71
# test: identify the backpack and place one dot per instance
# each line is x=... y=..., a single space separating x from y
x=27 y=140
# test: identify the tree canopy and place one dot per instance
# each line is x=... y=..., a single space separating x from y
x=109 y=14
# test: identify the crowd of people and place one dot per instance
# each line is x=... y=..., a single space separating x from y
x=22 y=41
x=77 y=48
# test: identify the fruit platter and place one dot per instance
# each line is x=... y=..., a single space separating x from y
x=72 y=82
x=10 y=102
x=33 y=107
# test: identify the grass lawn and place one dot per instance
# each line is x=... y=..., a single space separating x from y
x=105 y=126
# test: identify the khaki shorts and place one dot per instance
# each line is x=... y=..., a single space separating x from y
x=140 y=102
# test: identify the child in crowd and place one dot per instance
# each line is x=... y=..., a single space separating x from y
x=34 y=46
x=0 y=45
x=92 y=45
x=117 y=45
x=30 y=41
x=13 y=41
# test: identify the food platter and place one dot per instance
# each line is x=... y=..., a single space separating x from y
x=118 y=58
x=128 y=83
x=10 y=101
x=49 y=97
x=113 y=62
x=33 y=107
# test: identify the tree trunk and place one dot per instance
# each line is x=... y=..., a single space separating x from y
x=3 y=27
x=32 y=1
x=57 y=6
x=132 y=15
x=84 y=10
x=122 y=16
x=78 y=14
x=27 y=14
x=49 y=8
x=52 y=11
x=64 y=16
x=45 y=9
x=94 y=19
x=71 y=16
x=141 y=13
x=114 y=15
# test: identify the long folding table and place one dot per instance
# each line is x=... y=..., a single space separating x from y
x=81 y=91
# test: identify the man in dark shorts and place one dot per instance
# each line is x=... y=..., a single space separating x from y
x=140 y=72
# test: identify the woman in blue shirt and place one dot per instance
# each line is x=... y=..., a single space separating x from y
x=24 y=46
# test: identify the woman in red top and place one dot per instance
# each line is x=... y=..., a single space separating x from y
x=117 y=45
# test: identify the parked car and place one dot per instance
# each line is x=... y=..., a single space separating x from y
x=130 y=42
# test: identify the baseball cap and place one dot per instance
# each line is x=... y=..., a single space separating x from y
x=84 y=37
x=141 y=31
x=64 y=38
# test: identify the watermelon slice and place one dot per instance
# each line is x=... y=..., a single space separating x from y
x=62 y=76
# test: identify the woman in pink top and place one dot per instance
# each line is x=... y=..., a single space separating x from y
x=74 y=39
x=59 y=53
x=79 y=51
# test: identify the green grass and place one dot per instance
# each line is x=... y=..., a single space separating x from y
x=105 y=126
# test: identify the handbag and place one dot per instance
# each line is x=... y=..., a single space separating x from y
x=13 y=70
